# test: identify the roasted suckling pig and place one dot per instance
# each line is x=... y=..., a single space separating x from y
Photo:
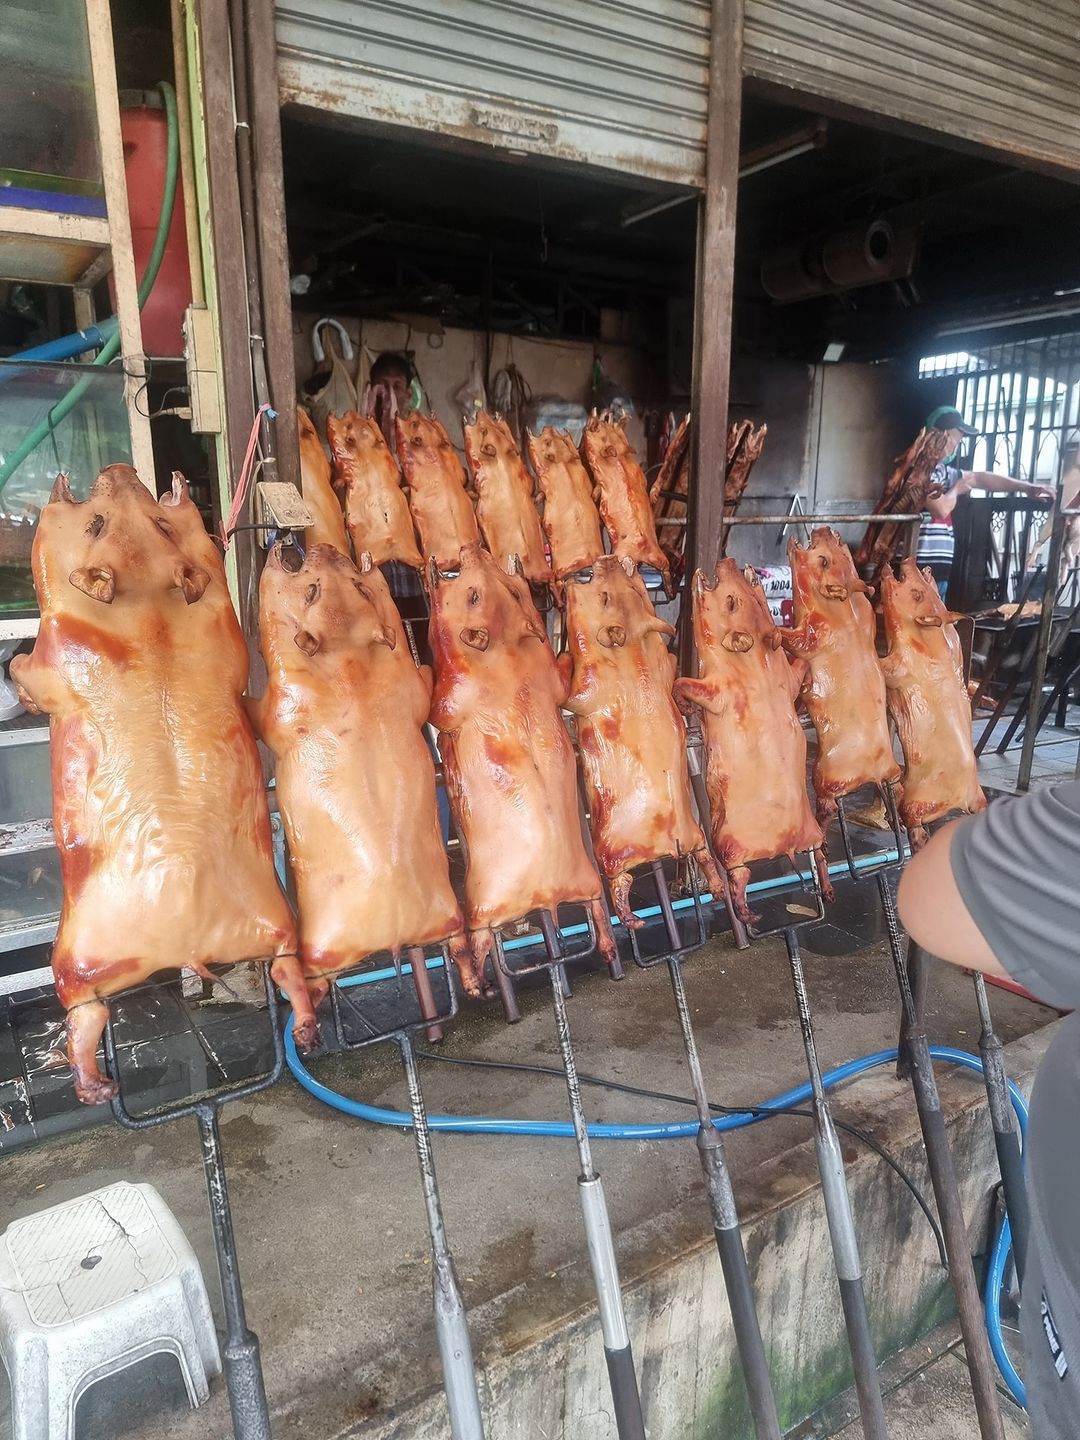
x=630 y=734
x=504 y=504
x=622 y=494
x=159 y=807
x=928 y=701
x=344 y=712
x=507 y=759
x=834 y=632
x=318 y=492
x=376 y=510
x=438 y=500
x=744 y=448
x=905 y=493
x=571 y=520
x=755 y=746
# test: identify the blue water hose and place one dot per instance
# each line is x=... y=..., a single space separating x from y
x=680 y=1130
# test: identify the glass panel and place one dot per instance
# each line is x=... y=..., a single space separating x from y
x=92 y=435
x=48 y=125
x=25 y=781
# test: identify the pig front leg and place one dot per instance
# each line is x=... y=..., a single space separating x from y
x=85 y=1027
x=471 y=957
x=288 y=976
x=605 y=936
x=620 y=895
x=705 y=862
x=821 y=865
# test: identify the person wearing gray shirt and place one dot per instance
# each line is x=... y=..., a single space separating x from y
x=1000 y=892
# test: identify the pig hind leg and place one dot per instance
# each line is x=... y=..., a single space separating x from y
x=738 y=879
x=85 y=1027
x=471 y=958
x=605 y=936
x=620 y=896
x=705 y=862
x=287 y=974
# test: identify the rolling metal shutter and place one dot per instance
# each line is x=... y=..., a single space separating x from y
x=998 y=73
x=617 y=83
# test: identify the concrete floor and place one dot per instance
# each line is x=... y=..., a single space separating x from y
x=330 y=1228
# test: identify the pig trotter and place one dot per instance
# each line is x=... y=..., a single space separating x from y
x=918 y=835
x=287 y=975
x=472 y=959
x=605 y=937
x=738 y=879
x=620 y=896
x=821 y=865
x=711 y=871
x=85 y=1027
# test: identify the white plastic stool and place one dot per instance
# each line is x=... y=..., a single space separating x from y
x=88 y=1288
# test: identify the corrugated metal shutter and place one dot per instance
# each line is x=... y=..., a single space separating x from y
x=616 y=83
x=996 y=72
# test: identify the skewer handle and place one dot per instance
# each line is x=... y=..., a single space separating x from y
x=1006 y=1138
x=617 y=1349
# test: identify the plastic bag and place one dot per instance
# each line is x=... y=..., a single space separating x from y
x=337 y=393
x=471 y=397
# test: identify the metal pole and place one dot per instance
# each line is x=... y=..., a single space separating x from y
x=625 y=1396
x=946 y=1193
x=845 y=1245
x=701 y=798
x=1042 y=649
x=1006 y=1133
x=721 y=1198
x=424 y=993
x=240 y=1356
x=451 y=1326
x=917 y=979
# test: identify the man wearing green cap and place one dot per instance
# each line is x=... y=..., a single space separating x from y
x=936 y=540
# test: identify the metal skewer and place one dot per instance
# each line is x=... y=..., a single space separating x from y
x=625 y=1395
x=1006 y=1134
x=240 y=1354
x=718 y=1187
x=451 y=1324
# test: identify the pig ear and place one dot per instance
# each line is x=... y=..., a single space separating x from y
x=97 y=581
x=367 y=564
x=514 y=566
x=628 y=565
x=305 y=641
x=179 y=492
x=61 y=489
x=660 y=627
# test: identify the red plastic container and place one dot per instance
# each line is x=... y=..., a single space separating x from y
x=145 y=149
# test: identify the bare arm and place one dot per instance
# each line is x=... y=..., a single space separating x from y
x=934 y=912
x=998 y=484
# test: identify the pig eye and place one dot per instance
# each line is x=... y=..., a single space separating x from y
x=917 y=596
x=97 y=524
x=164 y=527
x=311 y=593
x=824 y=562
x=364 y=591
x=418 y=441
x=474 y=597
x=732 y=603
x=605 y=598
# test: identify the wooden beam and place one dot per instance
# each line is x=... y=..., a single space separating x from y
x=265 y=111
x=714 y=290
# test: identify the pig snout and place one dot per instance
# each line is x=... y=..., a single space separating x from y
x=612 y=637
x=97 y=581
x=305 y=641
x=476 y=637
x=832 y=590
x=738 y=641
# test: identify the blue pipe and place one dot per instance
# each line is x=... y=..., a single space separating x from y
x=681 y=1130
x=92 y=338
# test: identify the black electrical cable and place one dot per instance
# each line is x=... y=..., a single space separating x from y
x=765 y=1111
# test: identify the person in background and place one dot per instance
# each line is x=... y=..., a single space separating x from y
x=948 y=482
x=999 y=892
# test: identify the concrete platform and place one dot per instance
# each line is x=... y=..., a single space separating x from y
x=334 y=1249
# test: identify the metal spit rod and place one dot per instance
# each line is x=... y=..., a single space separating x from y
x=617 y=1349
x=1006 y=1133
x=451 y=1326
x=834 y=1189
x=946 y=1192
x=860 y=519
x=721 y=1198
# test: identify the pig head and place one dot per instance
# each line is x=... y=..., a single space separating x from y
x=607 y=606
x=732 y=613
x=319 y=606
x=478 y=611
x=121 y=546
x=823 y=573
x=912 y=608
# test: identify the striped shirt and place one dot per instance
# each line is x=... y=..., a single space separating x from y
x=937 y=543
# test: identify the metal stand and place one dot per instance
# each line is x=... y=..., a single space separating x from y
x=240 y=1354
x=695 y=745
x=943 y=1177
x=718 y=1186
x=622 y=1377
x=451 y=1324
x=1006 y=1135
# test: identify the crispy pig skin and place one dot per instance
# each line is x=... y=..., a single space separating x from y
x=622 y=494
x=504 y=504
x=928 y=700
x=317 y=489
x=376 y=510
x=755 y=746
x=630 y=733
x=440 y=505
x=343 y=713
x=507 y=759
x=571 y=520
x=159 y=807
